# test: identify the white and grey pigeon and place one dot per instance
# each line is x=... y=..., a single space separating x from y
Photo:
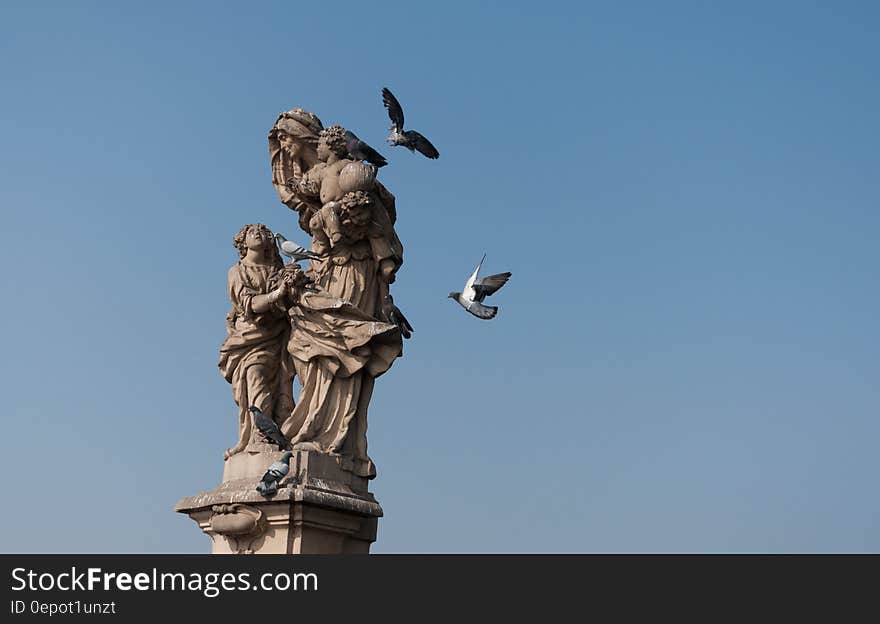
x=409 y=139
x=293 y=251
x=268 y=428
x=476 y=289
x=268 y=485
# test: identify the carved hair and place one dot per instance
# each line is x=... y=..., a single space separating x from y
x=355 y=198
x=240 y=243
x=354 y=208
x=334 y=136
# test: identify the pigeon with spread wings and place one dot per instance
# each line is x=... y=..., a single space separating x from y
x=409 y=139
x=476 y=290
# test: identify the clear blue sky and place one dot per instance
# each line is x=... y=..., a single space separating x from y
x=687 y=194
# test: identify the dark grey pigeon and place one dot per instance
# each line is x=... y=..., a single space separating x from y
x=269 y=428
x=476 y=290
x=410 y=139
x=359 y=150
x=392 y=314
x=268 y=485
x=293 y=251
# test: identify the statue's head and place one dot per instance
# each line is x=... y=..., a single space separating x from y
x=258 y=237
x=293 y=140
x=296 y=129
x=332 y=141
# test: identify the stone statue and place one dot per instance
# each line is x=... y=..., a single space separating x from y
x=325 y=326
x=337 y=341
x=280 y=324
x=254 y=357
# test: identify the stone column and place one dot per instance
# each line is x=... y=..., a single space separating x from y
x=320 y=507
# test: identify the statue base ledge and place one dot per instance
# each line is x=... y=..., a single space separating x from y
x=319 y=507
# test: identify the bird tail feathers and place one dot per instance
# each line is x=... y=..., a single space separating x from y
x=267 y=489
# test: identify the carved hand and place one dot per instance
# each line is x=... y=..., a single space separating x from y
x=386 y=270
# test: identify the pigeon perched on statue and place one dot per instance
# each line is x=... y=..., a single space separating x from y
x=295 y=252
x=477 y=289
x=268 y=428
x=392 y=314
x=268 y=485
x=409 y=139
x=359 y=150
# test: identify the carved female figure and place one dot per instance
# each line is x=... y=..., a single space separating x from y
x=363 y=257
x=337 y=343
x=254 y=356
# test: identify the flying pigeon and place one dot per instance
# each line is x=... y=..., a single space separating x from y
x=410 y=139
x=392 y=314
x=268 y=428
x=359 y=150
x=476 y=290
x=293 y=251
x=268 y=485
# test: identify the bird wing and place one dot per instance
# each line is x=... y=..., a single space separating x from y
x=278 y=438
x=371 y=156
x=422 y=144
x=468 y=291
x=481 y=311
x=289 y=248
x=400 y=321
x=490 y=284
x=267 y=487
x=261 y=421
x=269 y=428
x=277 y=470
x=395 y=110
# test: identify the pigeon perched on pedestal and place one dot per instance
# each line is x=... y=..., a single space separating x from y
x=269 y=428
x=359 y=150
x=392 y=314
x=409 y=139
x=476 y=290
x=293 y=251
x=268 y=485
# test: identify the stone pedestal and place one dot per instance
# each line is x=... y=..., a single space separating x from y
x=320 y=507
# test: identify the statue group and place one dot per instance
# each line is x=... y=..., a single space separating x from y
x=322 y=325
